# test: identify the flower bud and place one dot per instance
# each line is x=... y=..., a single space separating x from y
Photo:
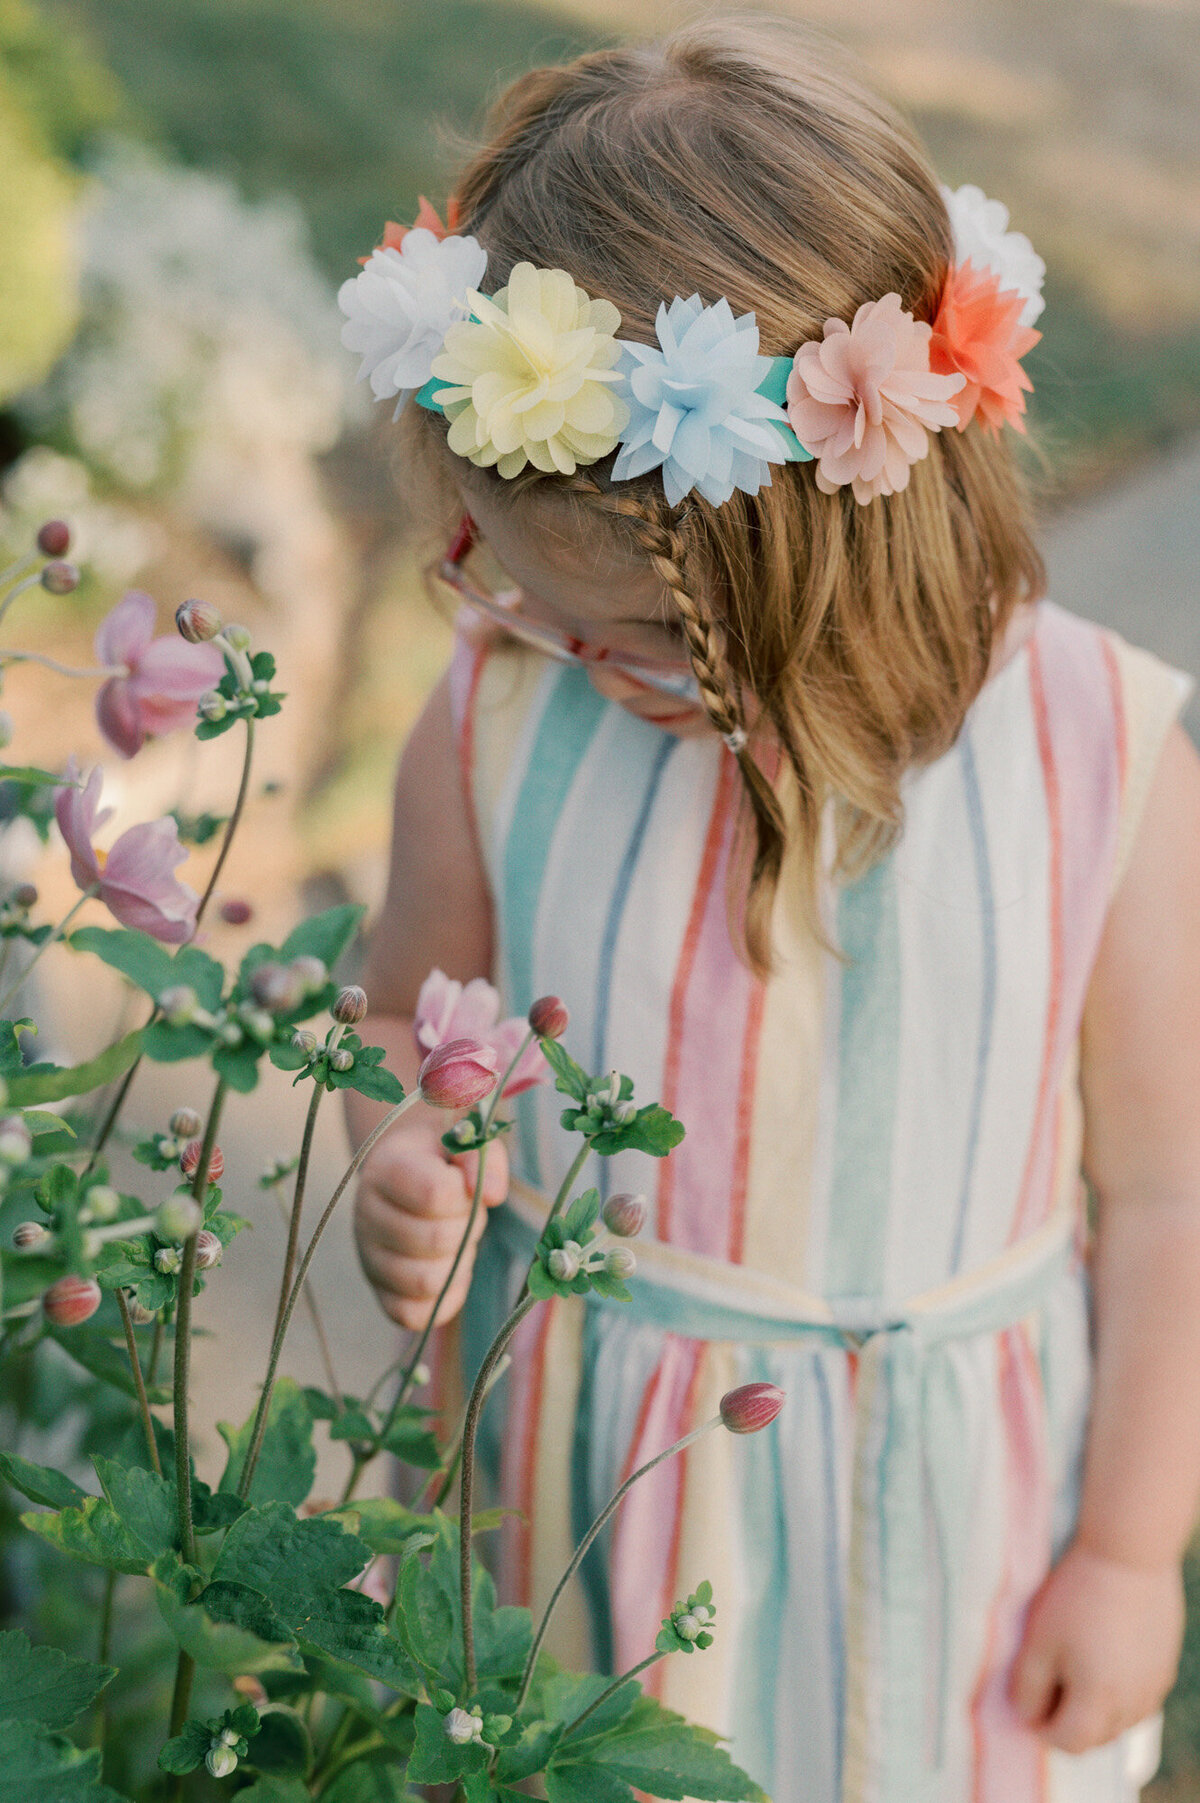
x=311 y=970
x=458 y=1074
x=179 y=1216
x=258 y=1022
x=564 y=1261
x=71 y=1300
x=169 y=1260
x=229 y=1033
x=249 y=1687
x=463 y=1133
x=29 y=1233
x=420 y=1377
x=60 y=578
x=212 y=706
x=178 y=1005
x=189 y=1161
x=220 y=1759
x=237 y=637
x=25 y=895
x=350 y=1005
x=624 y=1112
x=185 y=1123
x=141 y=1317
x=102 y=1202
x=751 y=1407
x=620 y=1263
x=305 y=1040
x=703 y=1613
x=686 y=1625
x=235 y=912
x=197 y=621
x=54 y=538
x=548 y=1017
x=341 y=1059
x=279 y=987
x=208 y=1249
x=7 y=729
x=461 y=1727
x=16 y=1141
x=624 y=1215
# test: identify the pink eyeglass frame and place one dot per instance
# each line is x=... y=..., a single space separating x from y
x=677 y=680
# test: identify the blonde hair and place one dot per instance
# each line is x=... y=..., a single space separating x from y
x=750 y=159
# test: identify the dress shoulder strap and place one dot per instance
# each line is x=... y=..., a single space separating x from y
x=1153 y=694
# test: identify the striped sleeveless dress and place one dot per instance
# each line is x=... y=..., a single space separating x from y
x=878 y=1206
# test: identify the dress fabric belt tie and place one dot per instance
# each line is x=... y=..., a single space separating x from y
x=898 y=1346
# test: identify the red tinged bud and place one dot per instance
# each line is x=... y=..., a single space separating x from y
x=236 y=912
x=189 y=1160
x=25 y=895
x=753 y=1406
x=208 y=1249
x=54 y=538
x=185 y=1123
x=350 y=1005
x=29 y=1233
x=624 y=1215
x=71 y=1300
x=197 y=622
x=60 y=578
x=458 y=1074
x=549 y=1018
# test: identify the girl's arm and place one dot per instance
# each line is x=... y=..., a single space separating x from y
x=412 y=1203
x=1102 y=1643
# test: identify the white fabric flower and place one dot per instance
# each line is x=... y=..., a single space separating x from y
x=399 y=309
x=981 y=233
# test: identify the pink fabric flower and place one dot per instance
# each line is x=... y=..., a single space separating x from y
x=163 y=678
x=864 y=398
x=447 y=1009
x=134 y=880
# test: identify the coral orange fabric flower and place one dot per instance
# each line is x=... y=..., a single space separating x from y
x=978 y=333
x=427 y=218
x=864 y=399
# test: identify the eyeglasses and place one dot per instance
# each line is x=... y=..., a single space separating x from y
x=664 y=675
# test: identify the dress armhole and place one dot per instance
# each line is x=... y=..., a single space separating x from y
x=1153 y=694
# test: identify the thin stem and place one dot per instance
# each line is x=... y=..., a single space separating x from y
x=52 y=663
x=185 y=1670
x=564 y=1190
x=136 y=1367
x=183 y=1336
x=448 y=1475
x=474 y=1407
x=264 y=1401
x=155 y=1348
x=614 y=1687
x=116 y=1105
x=14 y=570
x=231 y=824
x=607 y=1512
x=315 y=1315
x=102 y=1652
x=289 y=1257
x=51 y=939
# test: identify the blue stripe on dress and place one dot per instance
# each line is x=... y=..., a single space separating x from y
x=987 y=910
x=868 y=932
x=569 y=721
x=833 y=1568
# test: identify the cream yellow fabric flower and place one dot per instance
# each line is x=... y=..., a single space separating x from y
x=530 y=376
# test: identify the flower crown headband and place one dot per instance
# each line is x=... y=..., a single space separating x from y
x=536 y=374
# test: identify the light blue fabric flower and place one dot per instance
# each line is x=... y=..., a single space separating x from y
x=695 y=406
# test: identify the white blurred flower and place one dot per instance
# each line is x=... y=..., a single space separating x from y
x=981 y=233
x=399 y=308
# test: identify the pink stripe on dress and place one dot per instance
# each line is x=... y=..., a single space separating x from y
x=1072 y=698
x=518 y=1460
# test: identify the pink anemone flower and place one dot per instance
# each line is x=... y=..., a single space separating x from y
x=159 y=680
x=447 y=1009
x=134 y=880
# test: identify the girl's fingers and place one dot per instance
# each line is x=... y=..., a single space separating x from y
x=395 y=1229
x=1034 y=1687
x=1085 y=1718
x=495 y=1172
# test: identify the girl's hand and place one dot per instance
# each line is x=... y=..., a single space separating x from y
x=1100 y=1649
x=410 y=1213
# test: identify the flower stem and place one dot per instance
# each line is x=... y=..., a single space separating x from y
x=14 y=570
x=264 y=1401
x=136 y=1367
x=155 y=1348
x=466 y=1497
x=52 y=939
x=231 y=825
x=564 y=1190
x=335 y=1389
x=580 y=1553
x=289 y=1257
x=612 y=1690
x=52 y=663
x=183 y=1336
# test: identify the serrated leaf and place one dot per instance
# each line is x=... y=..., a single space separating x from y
x=409 y=1439
x=93 y=1532
x=530 y=1754
x=228 y=1628
x=42 y=1684
x=144 y=1502
x=40 y=1483
x=165 y=1044
x=586 y=1784
x=424 y=1615
x=570 y=1078
x=148 y=963
x=30 y=773
x=42 y=1124
x=581 y=1215
x=277 y=1790
x=287 y=1463
x=652 y=1130
x=186 y=1751
x=288 y=1558
x=435 y=1758
x=655 y=1750
x=39 y=1767
x=370 y=1080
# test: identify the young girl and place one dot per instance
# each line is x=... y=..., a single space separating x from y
x=874 y=865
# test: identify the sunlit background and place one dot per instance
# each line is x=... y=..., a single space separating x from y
x=185 y=184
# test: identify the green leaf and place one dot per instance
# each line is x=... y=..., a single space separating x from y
x=352 y=1424
x=350 y=1626
x=93 y=1532
x=186 y=1751
x=144 y=1502
x=41 y=1123
x=657 y=1751
x=570 y=1078
x=369 y=1079
x=435 y=1759
x=228 y=1627
x=384 y=1524
x=50 y=1083
x=238 y=1064
x=324 y=936
x=165 y=1044
x=581 y=1215
x=150 y=965
x=278 y=1790
x=40 y=1483
x=40 y=1684
x=368 y=1780
x=91 y=1347
x=425 y=1616
x=411 y=1440
x=287 y=1463
x=651 y=1130
x=287 y=1558
x=586 y=1784
x=26 y=1276
x=282 y=1744
x=29 y=773
x=566 y=1695
x=37 y=1767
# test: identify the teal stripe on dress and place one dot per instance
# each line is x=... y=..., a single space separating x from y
x=759 y=1682
x=568 y=724
x=987 y=913
x=593 y=1573
x=868 y=1055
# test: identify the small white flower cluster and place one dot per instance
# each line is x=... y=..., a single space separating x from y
x=981 y=234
